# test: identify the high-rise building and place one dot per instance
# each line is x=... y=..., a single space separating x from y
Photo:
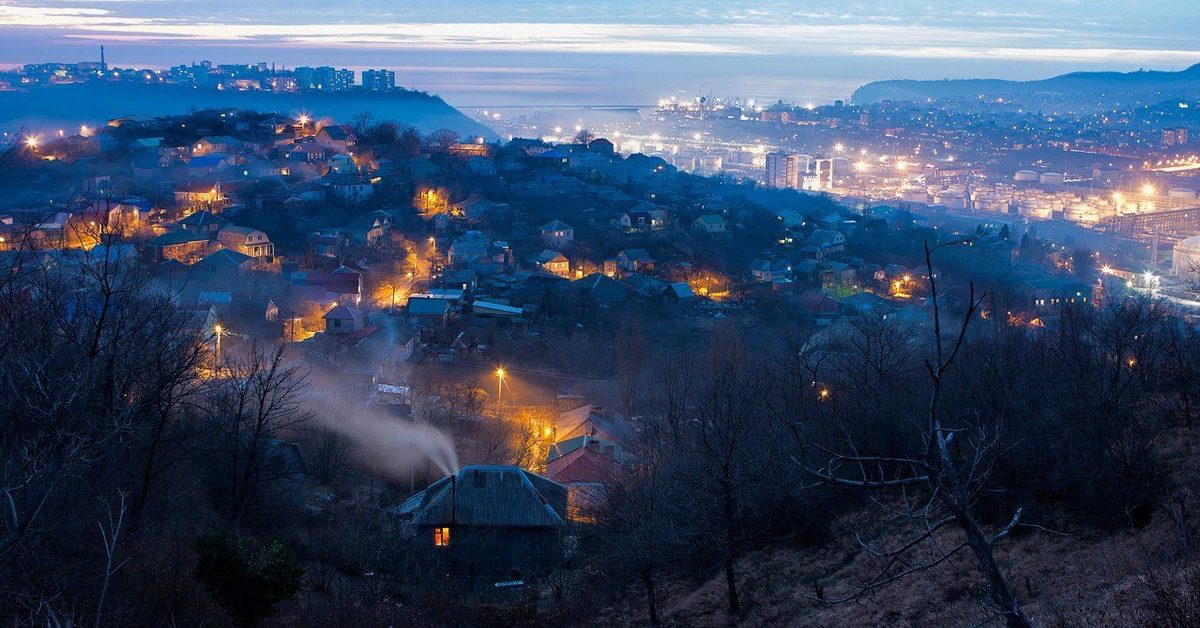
x=379 y=80
x=1176 y=136
x=784 y=170
x=324 y=78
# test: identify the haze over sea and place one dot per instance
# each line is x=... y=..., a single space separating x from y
x=624 y=52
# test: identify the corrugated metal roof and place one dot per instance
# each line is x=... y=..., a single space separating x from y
x=491 y=496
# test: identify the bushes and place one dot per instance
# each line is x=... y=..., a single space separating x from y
x=245 y=582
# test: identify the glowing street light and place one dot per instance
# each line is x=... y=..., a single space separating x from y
x=31 y=142
x=217 y=331
x=499 y=383
x=839 y=147
x=1148 y=189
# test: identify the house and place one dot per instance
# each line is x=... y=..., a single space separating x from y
x=770 y=270
x=343 y=319
x=601 y=289
x=474 y=207
x=557 y=234
x=462 y=279
x=181 y=245
x=342 y=285
x=338 y=137
x=818 y=305
x=553 y=262
x=224 y=262
x=602 y=146
x=634 y=260
x=827 y=242
x=327 y=243
x=204 y=194
x=681 y=292
x=636 y=221
x=209 y=164
x=247 y=241
x=1052 y=294
x=368 y=228
x=429 y=310
x=488 y=525
x=467 y=248
x=350 y=189
x=202 y=221
x=593 y=421
x=709 y=224
x=308 y=192
x=215 y=144
x=587 y=469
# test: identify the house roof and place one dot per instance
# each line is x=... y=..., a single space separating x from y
x=428 y=306
x=636 y=255
x=585 y=464
x=223 y=259
x=343 y=312
x=241 y=231
x=201 y=218
x=183 y=236
x=592 y=420
x=555 y=225
x=490 y=496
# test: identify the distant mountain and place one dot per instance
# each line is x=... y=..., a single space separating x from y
x=68 y=105
x=1182 y=84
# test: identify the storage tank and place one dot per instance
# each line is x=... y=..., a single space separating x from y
x=1080 y=212
x=1185 y=259
x=1183 y=193
x=1051 y=178
x=1026 y=176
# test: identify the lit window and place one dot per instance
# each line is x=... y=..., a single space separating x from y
x=441 y=537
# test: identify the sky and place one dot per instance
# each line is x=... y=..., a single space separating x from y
x=509 y=52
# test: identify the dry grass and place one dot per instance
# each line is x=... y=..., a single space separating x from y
x=1134 y=577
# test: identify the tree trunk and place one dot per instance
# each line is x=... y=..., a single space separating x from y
x=1002 y=594
x=651 y=602
x=730 y=556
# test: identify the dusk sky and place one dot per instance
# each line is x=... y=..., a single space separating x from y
x=618 y=51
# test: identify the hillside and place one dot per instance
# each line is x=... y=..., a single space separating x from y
x=1183 y=84
x=68 y=105
x=1076 y=575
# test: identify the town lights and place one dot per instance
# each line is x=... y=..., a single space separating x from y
x=303 y=119
x=1148 y=189
x=499 y=383
x=31 y=142
x=839 y=147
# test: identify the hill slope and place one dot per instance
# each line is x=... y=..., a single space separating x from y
x=71 y=104
x=1183 y=84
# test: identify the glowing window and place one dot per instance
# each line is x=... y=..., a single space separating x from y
x=441 y=537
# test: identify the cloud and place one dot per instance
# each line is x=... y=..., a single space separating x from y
x=1150 y=31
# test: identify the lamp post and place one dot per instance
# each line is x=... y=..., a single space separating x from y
x=499 y=384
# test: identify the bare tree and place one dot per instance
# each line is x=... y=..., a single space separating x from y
x=631 y=358
x=258 y=402
x=729 y=447
x=948 y=469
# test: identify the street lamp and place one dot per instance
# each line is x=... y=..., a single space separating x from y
x=217 y=329
x=499 y=383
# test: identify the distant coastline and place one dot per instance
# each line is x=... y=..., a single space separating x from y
x=1184 y=84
